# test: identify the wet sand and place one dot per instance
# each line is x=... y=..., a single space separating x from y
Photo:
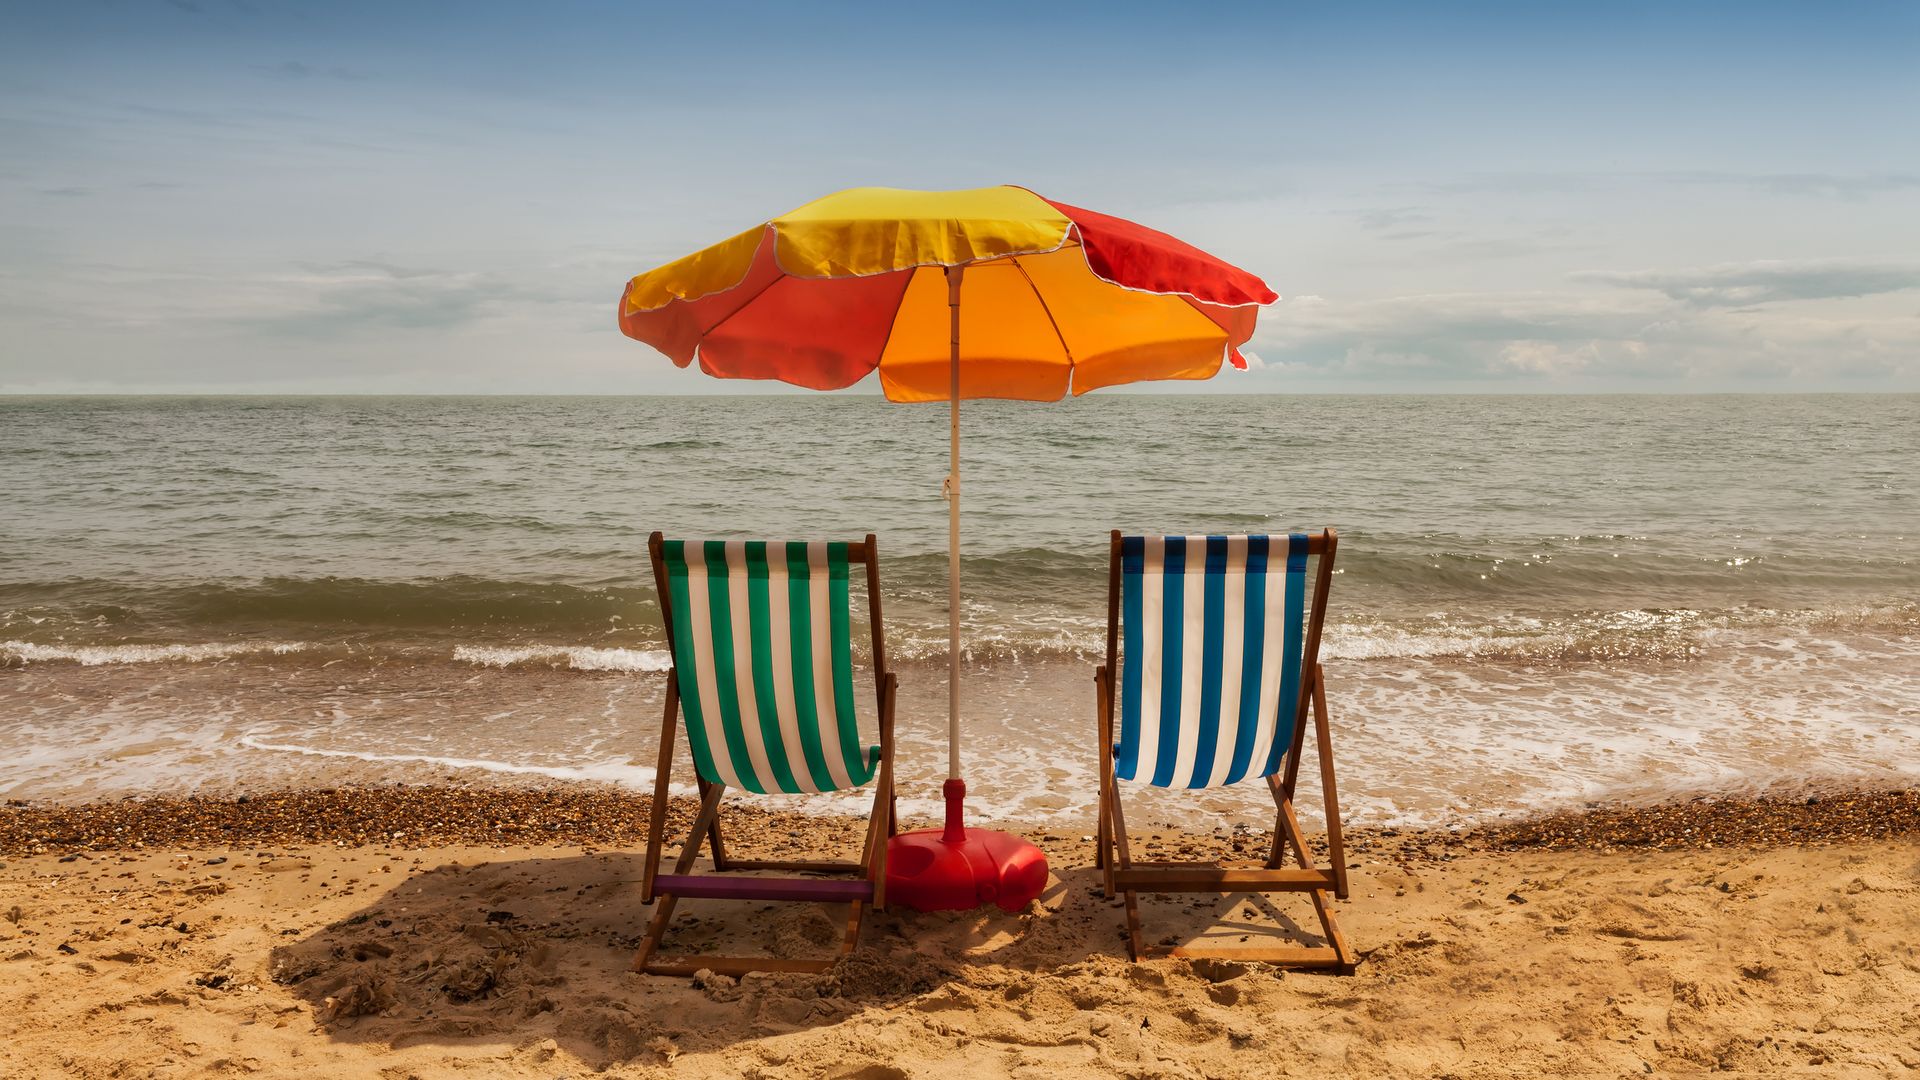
x=409 y=931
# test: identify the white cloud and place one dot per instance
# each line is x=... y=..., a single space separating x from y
x=366 y=295
x=1609 y=338
x=1738 y=284
x=1545 y=358
x=1829 y=185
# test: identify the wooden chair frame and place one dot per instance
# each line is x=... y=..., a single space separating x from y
x=870 y=872
x=1128 y=877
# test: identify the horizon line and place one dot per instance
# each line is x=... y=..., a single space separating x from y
x=801 y=393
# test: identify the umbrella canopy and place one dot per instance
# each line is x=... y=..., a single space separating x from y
x=1058 y=298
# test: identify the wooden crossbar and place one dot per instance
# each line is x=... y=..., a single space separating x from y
x=1220 y=879
x=814 y=866
x=715 y=887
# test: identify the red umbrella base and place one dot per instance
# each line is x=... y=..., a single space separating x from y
x=957 y=868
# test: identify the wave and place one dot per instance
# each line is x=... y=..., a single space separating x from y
x=449 y=604
x=620 y=771
x=1400 y=573
x=1012 y=635
x=575 y=657
x=13 y=653
x=568 y=657
x=1678 y=634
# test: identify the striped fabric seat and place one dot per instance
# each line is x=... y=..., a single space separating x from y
x=762 y=644
x=1211 y=641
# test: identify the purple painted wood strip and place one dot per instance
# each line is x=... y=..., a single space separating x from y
x=715 y=887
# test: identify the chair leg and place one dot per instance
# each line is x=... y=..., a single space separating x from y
x=1100 y=833
x=1283 y=786
x=852 y=940
x=1103 y=735
x=703 y=824
x=1336 y=845
x=1113 y=835
x=873 y=854
x=1277 y=852
x=1290 y=826
x=713 y=829
x=656 y=930
x=1292 y=771
x=657 y=812
x=1099 y=736
x=1136 y=945
x=1322 y=905
x=1324 y=908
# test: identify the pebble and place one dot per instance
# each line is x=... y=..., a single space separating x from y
x=403 y=817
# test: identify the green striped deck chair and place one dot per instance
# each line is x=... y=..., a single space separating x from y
x=762 y=640
x=1213 y=646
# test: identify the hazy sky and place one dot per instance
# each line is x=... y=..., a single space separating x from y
x=215 y=195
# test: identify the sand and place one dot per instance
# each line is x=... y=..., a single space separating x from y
x=233 y=941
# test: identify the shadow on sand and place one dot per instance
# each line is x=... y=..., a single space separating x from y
x=531 y=956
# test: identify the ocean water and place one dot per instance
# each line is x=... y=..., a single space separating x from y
x=1540 y=601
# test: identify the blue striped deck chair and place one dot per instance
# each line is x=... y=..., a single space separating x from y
x=761 y=635
x=1213 y=647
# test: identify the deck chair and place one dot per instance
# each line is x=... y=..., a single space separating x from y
x=1213 y=664
x=761 y=636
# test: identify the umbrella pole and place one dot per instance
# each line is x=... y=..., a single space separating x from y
x=953 y=526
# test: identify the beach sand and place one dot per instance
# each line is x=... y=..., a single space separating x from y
x=436 y=932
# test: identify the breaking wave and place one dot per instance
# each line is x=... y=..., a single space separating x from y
x=14 y=653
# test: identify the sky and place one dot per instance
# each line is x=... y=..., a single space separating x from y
x=218 y=196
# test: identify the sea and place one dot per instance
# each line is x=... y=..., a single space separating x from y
x=1540 y=602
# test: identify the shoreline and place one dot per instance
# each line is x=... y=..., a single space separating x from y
x=554 y=813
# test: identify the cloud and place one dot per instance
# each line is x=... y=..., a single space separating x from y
x=1459 y=240
x=1473 y=316
x=1387 y=218
x=1523 y=183
x=1545 y=358
x=355 y=299
x=1829 y=185
x=343 y=299
x=355 y=326
x=1609 y=339
x=1846 y=186
x=1742 y=284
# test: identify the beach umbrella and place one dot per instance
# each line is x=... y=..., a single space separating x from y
x=985 y=293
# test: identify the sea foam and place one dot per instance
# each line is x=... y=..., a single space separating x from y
x=576 y=657
x=92 y=655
